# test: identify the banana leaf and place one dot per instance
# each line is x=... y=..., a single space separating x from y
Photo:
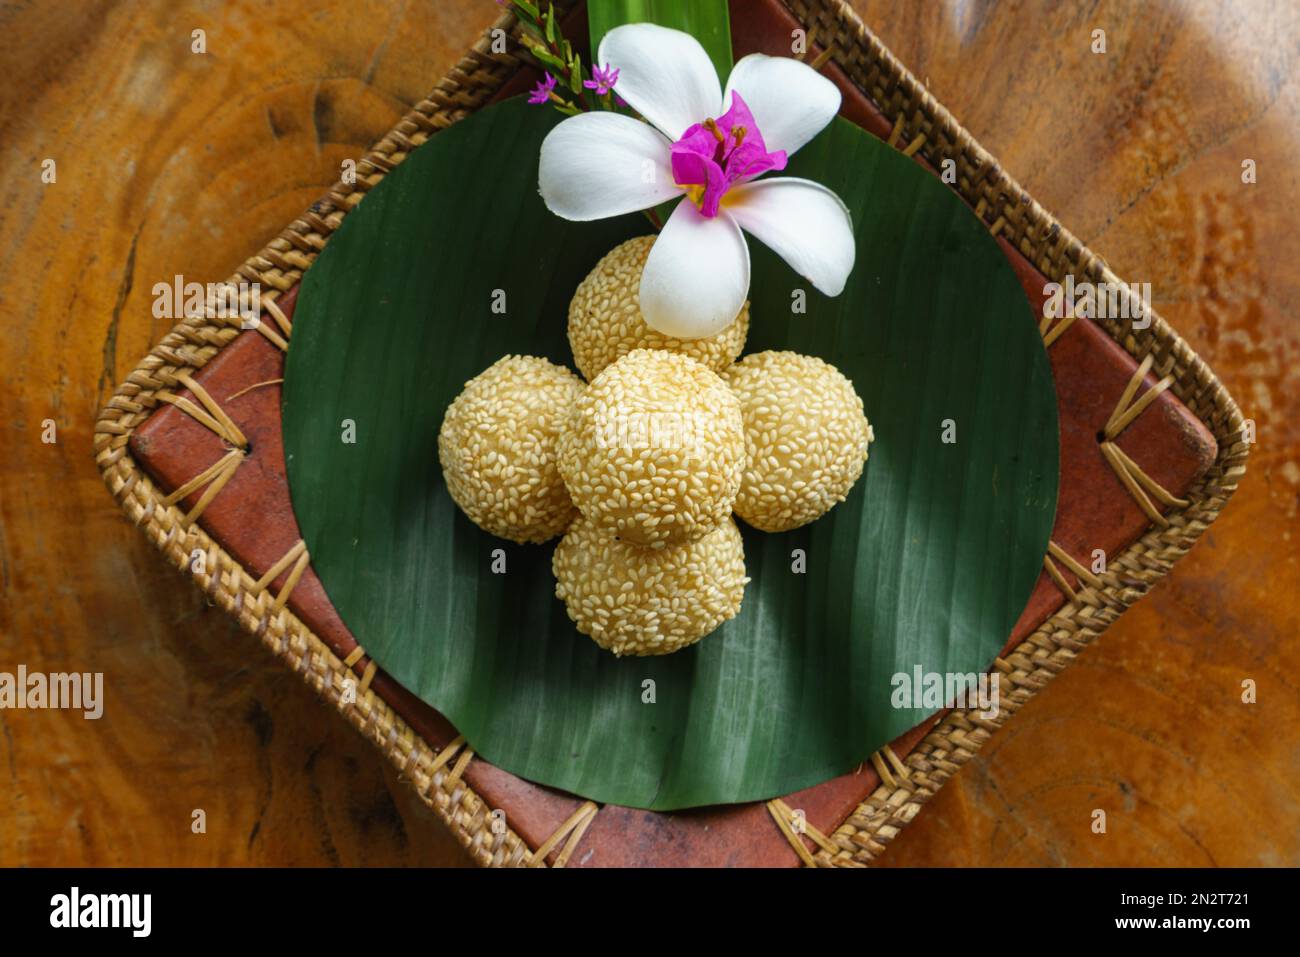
x=926 y=565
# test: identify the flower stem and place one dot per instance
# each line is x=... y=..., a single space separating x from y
x=545 y=41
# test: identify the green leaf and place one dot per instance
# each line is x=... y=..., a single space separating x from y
x=706 y=20
x=574 y=66
x=551 y=28
x=927 y=564
x=550 y=59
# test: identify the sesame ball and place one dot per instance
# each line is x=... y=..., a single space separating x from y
x=805 y=436
x=648 y=601
x=497 y=448
x=605 y=319
x=654 y=449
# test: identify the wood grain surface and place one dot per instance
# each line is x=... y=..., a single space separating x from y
x=171 y=162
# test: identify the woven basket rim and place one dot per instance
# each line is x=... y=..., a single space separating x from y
x=1006 y=208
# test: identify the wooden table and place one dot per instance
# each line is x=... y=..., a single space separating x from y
x=173 y=162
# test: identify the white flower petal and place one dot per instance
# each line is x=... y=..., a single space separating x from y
x=803 y=222
x=697 y=275
x=664 y=75
x=791 y=101
x=595 y=165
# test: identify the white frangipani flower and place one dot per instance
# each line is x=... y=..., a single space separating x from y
x=710 y=145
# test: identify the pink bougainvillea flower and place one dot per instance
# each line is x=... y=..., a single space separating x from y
x=710 y=145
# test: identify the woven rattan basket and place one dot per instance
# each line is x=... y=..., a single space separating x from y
x=921 y=126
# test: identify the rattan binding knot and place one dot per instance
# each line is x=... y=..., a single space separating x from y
x=1139 y=484
x=277 y=339
x=795 y=826
x=574 y=826
x=296 y=556
x=1080 y=571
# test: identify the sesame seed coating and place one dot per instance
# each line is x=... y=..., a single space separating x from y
x=605 y=320
x=654 y=449
x=497 y=448
x=648 y=601
x=806 y=438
